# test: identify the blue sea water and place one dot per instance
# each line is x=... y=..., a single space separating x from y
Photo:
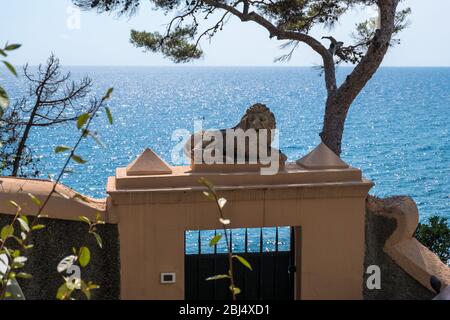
x=397 y=130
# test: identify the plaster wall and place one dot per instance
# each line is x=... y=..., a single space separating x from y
x=330 y=253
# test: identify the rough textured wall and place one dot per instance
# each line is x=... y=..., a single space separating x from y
x=55 y=242
x=395 y=282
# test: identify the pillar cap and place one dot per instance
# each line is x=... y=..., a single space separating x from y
x=322 y=157
x=148 y=163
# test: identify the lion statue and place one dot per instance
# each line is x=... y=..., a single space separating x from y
x=257 y=117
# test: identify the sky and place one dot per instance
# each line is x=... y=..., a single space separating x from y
x=47 y=26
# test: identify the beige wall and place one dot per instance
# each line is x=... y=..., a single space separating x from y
x=331 y=216
x=65 y=203
x=153 y=212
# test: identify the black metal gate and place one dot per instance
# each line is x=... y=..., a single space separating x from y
x=272 y=277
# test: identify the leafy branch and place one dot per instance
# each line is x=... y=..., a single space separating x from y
x=7 y=233
x=211 y=194
x=4 y=99
x=82 y=257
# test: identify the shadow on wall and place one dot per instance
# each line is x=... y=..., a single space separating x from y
x=54 y=243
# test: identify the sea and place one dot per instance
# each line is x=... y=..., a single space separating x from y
x=397 y=131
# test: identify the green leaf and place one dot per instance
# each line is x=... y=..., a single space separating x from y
x=35 y=199
x=10 y=67
x=99 y=239
x=109 y=115
x=60 y=149
x=235 y=290
x=20 y=260
x=6 y=232
x=218 y=277
x=86 y=132
x=25 y=218
x=12 y=47
x=93 y=286
x=82 y=119
x=4 y=100
x=14 y=204
x=3 y=53
x=78 y=159
x=214 y=240
x=23 y=224
x=108 y=94
x=243 y=261
x=85 y=219
x=206 y=183
x=24 y=275
x=63 y=292
x=96 y=139
x=84 y=256
x=209 y=195
x=98 y=217
x=38 y=227
x=17 y=265
x=85 y=289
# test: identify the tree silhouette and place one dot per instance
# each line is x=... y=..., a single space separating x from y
x=52 y=99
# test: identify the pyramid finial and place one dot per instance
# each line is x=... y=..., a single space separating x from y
x=148 y=163
x=322 y=157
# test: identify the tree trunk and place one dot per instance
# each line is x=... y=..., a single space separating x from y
x=22 y=143
x=340 y=100
x=333 y=124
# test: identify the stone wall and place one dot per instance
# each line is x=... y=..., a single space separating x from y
x=55 y=242
x=395 y=282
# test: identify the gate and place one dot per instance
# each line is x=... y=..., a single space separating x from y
x=273 y=264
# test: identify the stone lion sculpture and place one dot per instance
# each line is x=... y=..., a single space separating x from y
x=257 y=117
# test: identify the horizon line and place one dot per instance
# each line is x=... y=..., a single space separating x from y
x=224 y=66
